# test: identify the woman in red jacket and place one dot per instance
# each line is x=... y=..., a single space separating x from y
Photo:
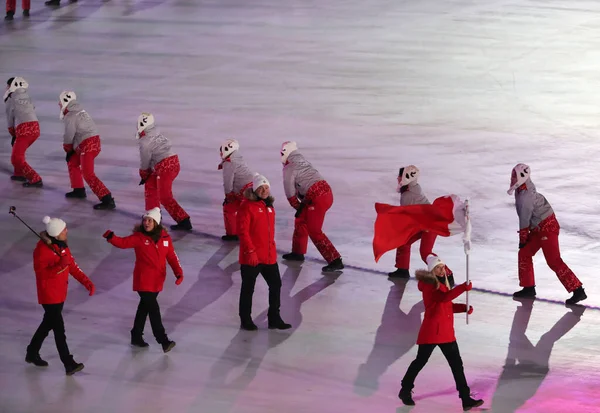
x=153 y=249
x=53 y=262
x=438 y=330
x=258 y=255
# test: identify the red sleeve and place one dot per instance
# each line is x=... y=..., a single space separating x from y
x=244 y=219
x=68 y=147
x=12 y=132
x=444 y=297
x=131 y=241
x=293 y=200
x=76 y=272
x=459 y=308
x=173 y=260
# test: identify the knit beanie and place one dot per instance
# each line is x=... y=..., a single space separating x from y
x=54 y=226
x=155 y=214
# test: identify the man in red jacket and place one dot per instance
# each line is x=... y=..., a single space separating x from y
x=258 y=255
x=153 y=250
x=53 y=262
x=438 y=330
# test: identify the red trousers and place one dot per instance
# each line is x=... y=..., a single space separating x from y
x=230 y=210
x=26 y=133
x=81 y=166
x=159 y=188
x=545 y=236
x=309 y=223
x=11 y=5
x=425 y=249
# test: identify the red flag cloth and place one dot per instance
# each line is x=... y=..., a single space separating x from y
x=395 y=225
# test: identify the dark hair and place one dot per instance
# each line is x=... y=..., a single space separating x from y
x=155 y=234
x=9 y=81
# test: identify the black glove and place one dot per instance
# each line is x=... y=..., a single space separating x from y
x=69 y=155
x=142 y=182
x=12 y=141
x=225 y=202
x=299 y=210
x=108 y=234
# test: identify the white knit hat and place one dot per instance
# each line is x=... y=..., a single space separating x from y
x=433 y=261
x=54 y=226
x=259 y=180
x=154 y=213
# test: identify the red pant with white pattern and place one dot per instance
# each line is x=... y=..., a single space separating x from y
x=159 y=188
x=545 y=236
x=81 y=166
x=26 y=134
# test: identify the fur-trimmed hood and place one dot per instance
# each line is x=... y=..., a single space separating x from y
x=428 y=278
x=251 y=196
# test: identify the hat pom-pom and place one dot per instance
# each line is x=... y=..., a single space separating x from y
x=46 y=219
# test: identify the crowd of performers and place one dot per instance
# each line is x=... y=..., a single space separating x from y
x=249 y=217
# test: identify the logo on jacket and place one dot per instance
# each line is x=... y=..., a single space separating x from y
x=146 y=242
x=270 y=209
x=166 y=243
x=260 y=210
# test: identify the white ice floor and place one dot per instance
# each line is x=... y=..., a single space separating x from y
x=463 y=89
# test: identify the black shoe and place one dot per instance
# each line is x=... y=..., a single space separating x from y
x=406 y=397
x=399 y=273
x=526 y=292
x=73 y=368
x=36 y=360
x=138 y=341
x=25 y=13
x=18 y=178
x=468 y=403
x=279 y=324
x=10 y=15
x=333 y=266
x=76 y=193
x=184 y=225
x=293 y=256
x=230 y=238
x=248 y=325
x=106 y=203
x=52 y=3
x=38 y=184
x=167 y=345
x=578 y=295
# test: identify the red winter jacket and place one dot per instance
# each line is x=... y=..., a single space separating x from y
x=151 y=259
x=52 y=277
x=438 y=322
x=256 y=229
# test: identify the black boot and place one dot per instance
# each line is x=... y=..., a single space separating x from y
x=406 y=397
x=76 y=193
x=276 y=323
x=52 y=3
x=293 y=256
x=36 y=360
x=10 y=15
x=399 y=273
x=184 y=225
x=38 y=184
x=73 y=368
x=107 y=202
x=248 y=324
x=333 y=266
x=138 y=341
x=18 y=178
x=167 y=345
x=526 y=292
x=230 y=238
x=26 y=13
x=468 y=403
x=578 y=295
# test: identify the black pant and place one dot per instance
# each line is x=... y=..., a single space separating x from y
x=270 y=273
x=451 y=353
x=52 y=321
x=148 y=306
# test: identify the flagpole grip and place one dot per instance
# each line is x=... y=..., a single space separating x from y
x=467 y=247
